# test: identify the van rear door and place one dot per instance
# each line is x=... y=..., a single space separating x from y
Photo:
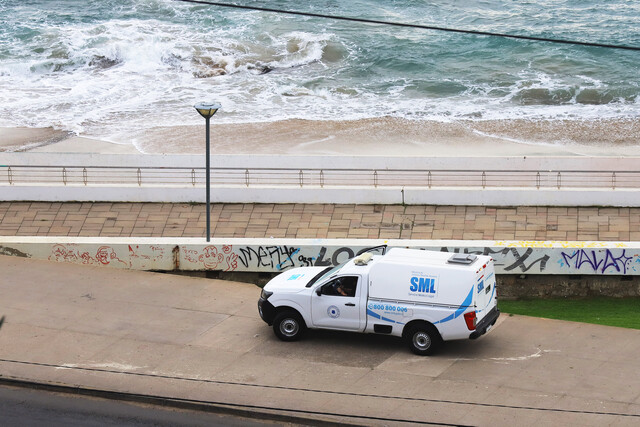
x=486 y=297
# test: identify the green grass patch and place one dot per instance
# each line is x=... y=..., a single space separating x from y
x=622 y=312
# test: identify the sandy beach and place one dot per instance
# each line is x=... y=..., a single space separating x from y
x=49 y=140
x=370 y=137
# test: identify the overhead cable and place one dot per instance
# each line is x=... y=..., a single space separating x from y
x=418 y=26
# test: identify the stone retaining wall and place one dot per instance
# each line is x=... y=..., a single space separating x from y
x=524 y=269
x=276 y=255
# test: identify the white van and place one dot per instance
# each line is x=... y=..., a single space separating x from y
x=426 y=297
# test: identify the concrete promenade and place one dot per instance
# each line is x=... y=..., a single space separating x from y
x=201 y=339
x=320 y=221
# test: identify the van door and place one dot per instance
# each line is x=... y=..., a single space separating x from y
x=486 y=297
x=338 y=304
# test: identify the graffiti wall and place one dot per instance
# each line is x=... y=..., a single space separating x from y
x=265 y=258
x=272 y=255
x=571 y=259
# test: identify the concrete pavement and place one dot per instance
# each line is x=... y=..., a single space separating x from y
x=202 y=339
x=321 y=221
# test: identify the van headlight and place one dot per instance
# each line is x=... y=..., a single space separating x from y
x=265 y=294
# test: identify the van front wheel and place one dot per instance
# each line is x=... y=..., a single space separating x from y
x=289 y=326
x=423 y=340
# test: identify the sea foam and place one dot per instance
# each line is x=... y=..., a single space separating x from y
x=107 y=69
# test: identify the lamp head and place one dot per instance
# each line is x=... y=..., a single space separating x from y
x=207 y=109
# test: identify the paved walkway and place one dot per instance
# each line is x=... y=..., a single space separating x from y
x=320 y=221
x=194 y=338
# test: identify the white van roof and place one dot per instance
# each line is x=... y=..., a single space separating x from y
x=432 y=258
x=416 y=257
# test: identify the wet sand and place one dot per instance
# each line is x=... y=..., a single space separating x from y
x=371 y=137
x=49 y=140
x=25 y=139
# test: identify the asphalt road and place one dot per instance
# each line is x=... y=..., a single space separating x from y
x=28 y=407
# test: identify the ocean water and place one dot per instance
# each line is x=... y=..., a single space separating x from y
x=106 y=68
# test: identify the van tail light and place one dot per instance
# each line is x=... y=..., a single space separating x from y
x=470 y=318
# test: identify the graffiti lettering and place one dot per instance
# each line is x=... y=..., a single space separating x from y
x=61 y=253
x=518 y=261
x=278 y=257
x=190 y=255
x=595 y=261
x=521 y=258
x=340 y=251
x=304 y=261
x=530 y=259
x=320 y=261
x=105 y=255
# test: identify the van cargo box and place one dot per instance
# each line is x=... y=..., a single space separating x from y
x=424 y=276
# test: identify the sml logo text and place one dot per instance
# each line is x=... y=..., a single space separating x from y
x=425 y=285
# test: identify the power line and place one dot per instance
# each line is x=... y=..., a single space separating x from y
x=405 y=25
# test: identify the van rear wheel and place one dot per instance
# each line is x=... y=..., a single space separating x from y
x=423 y=340
x=289 y=326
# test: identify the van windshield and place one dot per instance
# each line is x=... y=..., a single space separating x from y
x=327 y=272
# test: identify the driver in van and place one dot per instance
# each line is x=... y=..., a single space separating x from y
x=340 y=289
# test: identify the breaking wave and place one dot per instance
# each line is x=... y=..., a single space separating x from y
x=100 y=68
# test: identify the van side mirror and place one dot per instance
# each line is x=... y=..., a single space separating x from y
x=319 y=291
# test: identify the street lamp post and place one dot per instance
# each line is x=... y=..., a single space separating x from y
x=207 y=110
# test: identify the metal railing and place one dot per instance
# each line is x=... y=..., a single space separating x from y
x=311 y=177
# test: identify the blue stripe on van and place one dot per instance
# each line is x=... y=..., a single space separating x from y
x=465 y=304
x=373 y=314
x=377 y=316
